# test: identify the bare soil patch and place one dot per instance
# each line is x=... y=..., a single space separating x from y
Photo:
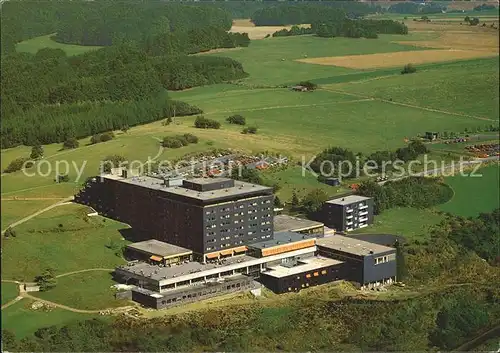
x=380 y=60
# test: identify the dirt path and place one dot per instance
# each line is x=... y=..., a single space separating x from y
x=14 y=198
x=25 y=219
x=81 y=311
x=82 y=271
x=407 y=105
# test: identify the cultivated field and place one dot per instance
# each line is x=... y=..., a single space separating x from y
x=254 y=32
x=371 y=61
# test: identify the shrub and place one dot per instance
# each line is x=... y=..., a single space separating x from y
x=191 y=138
x=9 y=232
x=249 y=130
x=17 y=164
x=71 y=143
x=309 y=85
x=171 y=142
x=64 y=178
x=36 y=152
x=474 y=21
x=236 y=119
x=408 y=69
x=107 y=136
x=203 y=123
x=112 y=161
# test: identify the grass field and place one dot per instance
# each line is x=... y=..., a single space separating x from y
x=23 y=321
x=409 y=222
x=9 y=292
x=14 y=210
x=473 y=195
x=80 y=243
x=35 y=44
x=87 y=290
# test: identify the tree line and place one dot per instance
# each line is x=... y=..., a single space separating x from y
x=347 y=28
x=417 y=192
x=285 y=14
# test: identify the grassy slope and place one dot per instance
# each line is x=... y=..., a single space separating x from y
x=40 y=244
x=409 y=222
x=23 y=321
x=87 y=290
x=474 y=195
x=15 y=210
x=35 y=44
x=9 y=292
x=467 y=88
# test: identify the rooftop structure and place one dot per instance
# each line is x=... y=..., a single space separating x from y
x=282 y=238
x=348 y=200
x=200 y=189
x=305 y=265
x=352 y=246
x=159 y=248
x=294 y=224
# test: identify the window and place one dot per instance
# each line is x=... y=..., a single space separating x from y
x=250 y=233
x=210 y=234
x=308 y=275
x=241 y=206
x=209 y=248
x=211 y=240
x=316 y=274
x=323 y=272
x=225 y=216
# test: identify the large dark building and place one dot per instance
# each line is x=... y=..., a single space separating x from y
x=215 y=216
x=368 y=263
x=348 y=213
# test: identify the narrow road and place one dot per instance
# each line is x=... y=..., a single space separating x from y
x=25 y=219
x=81 y=311
x=13 y=301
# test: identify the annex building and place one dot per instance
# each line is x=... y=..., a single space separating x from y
x=207 y=237
x=348 y=213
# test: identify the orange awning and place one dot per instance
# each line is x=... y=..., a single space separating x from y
x=227 y=252
x=156 y=258
x=240 y=249
x=212 y=256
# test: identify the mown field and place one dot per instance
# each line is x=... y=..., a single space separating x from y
x=9 y=291
x=35 y=44
x=64 y=239
x=20 y=319
x=474 y=193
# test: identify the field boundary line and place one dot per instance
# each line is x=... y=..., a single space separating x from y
x=410 y=105
x=290 y=106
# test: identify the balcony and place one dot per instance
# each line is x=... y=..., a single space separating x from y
x=364 y=213
x=349 y=216
x=349 y=223
x=348 y=210
x=362 y=207
x=363 y=225
x=348 y=229
x=363 y=219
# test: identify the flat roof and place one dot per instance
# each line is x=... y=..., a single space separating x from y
x=281 y=238
x=206 y=181
x=158 y=273
x=346 y=200
x=352 y=245
x=290 y=223
x=305 y=265
x=240 y=187
x=160 y=248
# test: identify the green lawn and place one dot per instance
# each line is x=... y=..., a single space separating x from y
x=17 y=209
x=23 y=321
x=9 y=291
x=88 y=290
x=62 y=238
x=411 y=223
x=35 y=44
x=473 y=195
x=292 y=178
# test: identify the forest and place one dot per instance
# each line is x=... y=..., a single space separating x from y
x=50 y=97
x=285 y=14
